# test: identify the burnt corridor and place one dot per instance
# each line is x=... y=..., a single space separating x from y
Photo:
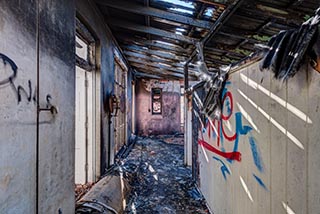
x=159 y=106
x=159 y=180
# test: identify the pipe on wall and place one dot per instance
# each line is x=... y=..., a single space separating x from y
x=38 y=105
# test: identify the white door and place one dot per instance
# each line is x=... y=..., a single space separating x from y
x=87 y=108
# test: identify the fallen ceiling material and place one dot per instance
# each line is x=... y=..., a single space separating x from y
x=284 y=56
x=213 y=84
x=160 y=181
x=288 y=48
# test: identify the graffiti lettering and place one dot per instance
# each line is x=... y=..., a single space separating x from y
x=221 y=135
x=18 y=91
x=6 y=60
x=224 y=168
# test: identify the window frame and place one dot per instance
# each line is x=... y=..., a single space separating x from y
x=153 y=100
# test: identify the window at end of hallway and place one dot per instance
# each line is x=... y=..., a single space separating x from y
x=156 y=101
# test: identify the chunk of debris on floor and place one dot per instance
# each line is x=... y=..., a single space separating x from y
x=107 y=196
x=159 y=180
x=82 y=189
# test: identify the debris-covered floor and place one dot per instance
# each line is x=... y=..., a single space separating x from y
x=160 y=182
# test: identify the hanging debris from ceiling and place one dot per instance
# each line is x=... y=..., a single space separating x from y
x=213 y=84
x=287 y=50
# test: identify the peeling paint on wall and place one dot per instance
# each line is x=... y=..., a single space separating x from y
x=168 y=122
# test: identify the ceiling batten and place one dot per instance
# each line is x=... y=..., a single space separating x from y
x=149 y=11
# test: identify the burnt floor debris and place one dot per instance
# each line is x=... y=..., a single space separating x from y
x=159 y=180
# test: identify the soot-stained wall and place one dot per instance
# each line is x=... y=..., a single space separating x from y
x=18 y=106
x=168 y=122
x=94 y=20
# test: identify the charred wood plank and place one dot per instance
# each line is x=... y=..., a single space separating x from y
x=151 y=30
x=150 y=52
x=128 y=6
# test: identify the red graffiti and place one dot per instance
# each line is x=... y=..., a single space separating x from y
x=229 y=155
x=229 y=95
x=219 y=130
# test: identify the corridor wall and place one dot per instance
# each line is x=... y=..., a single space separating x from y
x=168 y=120
x=37 y=37
x=94 y=20
x=263 y=155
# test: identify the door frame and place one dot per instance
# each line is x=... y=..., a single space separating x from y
x=92 y=65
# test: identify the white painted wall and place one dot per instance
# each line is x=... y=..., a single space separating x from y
x=282 y=123
x=17 y=121
x=18 y=130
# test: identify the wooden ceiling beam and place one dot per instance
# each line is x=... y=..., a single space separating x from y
x=131 y=7
x=156 y=71
x=151 y=30
x=147 y=51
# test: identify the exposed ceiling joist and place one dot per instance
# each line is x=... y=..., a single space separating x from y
x=131 y=7
x=226 y=35
x=224 y=17
x=156 y=71
x=163 y=33
x=142 y=74
x=178 y=70
x=151 y=30
x=157 y=48
x=154 y=43
x=215 y=61
x=144 y=50
x=230 y=53
x=213 y=3
x=152 y=59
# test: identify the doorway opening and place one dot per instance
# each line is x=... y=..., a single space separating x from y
x=87 y=102
x=120 y=91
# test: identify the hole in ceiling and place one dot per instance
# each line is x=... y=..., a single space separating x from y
x=182 y=10
x=164 y=43
x=180 y=31
x=182 y=6
x=209 y=12
x=180 y=3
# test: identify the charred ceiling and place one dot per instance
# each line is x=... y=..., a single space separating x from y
x=159 y=36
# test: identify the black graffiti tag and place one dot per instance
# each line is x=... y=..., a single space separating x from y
x=6 y=60
x=18 y=91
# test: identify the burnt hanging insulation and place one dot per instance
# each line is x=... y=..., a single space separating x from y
x=213 y=84
x=288 y=48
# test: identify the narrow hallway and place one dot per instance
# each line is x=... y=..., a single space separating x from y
x=159 y=106
x=159 y=180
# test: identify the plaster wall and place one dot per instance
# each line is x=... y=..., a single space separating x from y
x=18 y=111
x=166 y=123
x=264 y=155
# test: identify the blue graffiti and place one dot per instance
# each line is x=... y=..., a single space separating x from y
x=260 y=182
x=256 y=154
x=224 y=169
x=228 y=107
x=240 y=130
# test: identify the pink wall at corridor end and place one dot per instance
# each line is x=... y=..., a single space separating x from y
x=166 y=123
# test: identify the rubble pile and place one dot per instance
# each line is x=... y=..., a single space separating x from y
x=82 y=189
x=159 y=180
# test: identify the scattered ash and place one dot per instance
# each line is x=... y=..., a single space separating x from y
x=159 y=180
